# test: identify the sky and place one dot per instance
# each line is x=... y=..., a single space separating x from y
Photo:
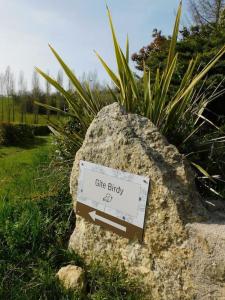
x=75 y=28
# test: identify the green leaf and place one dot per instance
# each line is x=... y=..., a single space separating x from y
x=174 y=38
x=127 y=50
x=203 y=171
x=53 y=108
x=109 y=71
x=82 y=93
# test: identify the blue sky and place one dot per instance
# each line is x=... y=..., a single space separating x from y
x=75 y=28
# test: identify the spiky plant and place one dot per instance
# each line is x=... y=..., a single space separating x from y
x=181 y=114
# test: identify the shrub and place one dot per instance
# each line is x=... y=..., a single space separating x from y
x=64 y=146
x=178 y=115
x=40 y=130
x=15 y=134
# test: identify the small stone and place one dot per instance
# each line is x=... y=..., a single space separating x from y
x=72 y=277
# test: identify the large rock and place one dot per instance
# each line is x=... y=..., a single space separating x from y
x=165 y=261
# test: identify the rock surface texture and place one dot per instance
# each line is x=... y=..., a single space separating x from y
x=168 y=261
x=207 y=264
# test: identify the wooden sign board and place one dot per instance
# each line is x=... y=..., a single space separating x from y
x=111 y=198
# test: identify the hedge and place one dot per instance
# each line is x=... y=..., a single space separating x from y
x=40 y=129
x=12 y=134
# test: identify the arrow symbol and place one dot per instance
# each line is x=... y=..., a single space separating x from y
x=94 y=217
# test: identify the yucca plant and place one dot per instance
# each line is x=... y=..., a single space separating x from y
x=182 y=113
x=83 y=104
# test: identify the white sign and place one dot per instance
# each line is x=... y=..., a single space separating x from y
x=116 y=193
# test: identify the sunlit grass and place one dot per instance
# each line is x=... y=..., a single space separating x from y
x=36 y=221
x=20 y=169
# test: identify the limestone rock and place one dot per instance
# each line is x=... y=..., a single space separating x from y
x=131 y=143
x=71 y=277
x=207 y=265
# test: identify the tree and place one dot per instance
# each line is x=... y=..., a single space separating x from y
x=70 y=86
x=202 y=40
x=48 y=92
x=36 y=92
x=206 y=11
x=90 y=78
x=22 y=84
x=9 y=82
x=47 y=86
x=10 y=89
x=59 y=98
x=60 y=77
x=22 y=88
x=2 y=93
x=154 y=54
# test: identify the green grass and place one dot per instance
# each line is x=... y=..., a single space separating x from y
x=21 y=169
x=36 y=221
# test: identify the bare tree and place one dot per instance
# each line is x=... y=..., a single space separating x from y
x=70 y=86
x=9 y=82
x=90 y=78
x=47 y=86
x=48 y=92
x=22 y=88
x=22 y=84
x=60 y=77
x=60 y=102
x=36 y=92
x=12 y=94
x=206 y=11
x=10 y=89
x=1 y=84
x=2 y=93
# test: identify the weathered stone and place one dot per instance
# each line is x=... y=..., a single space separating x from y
x=72 y=277
x=207 y=265
x=165 y=259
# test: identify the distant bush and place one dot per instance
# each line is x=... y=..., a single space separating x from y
x=15 y=134
x=40 y=130
x=12 y=134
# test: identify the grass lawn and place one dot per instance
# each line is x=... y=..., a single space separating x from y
x=34 y=226
x=21 y=170
x=36 y=221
